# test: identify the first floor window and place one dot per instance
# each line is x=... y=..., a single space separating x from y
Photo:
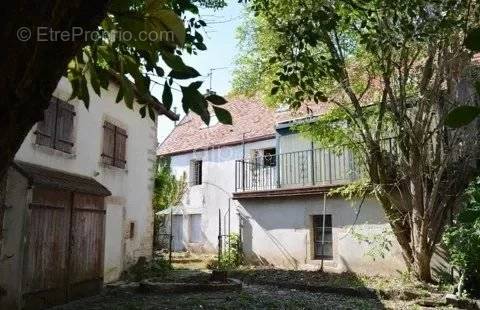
x=322 y=237
x=195 y=172
x=269 y=157
x=56 y=129
x=114 y=145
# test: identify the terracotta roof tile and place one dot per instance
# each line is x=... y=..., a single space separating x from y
x=250 y=117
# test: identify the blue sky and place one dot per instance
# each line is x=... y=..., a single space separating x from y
x=220 y=38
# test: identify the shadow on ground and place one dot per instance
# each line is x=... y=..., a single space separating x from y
x=255 y=294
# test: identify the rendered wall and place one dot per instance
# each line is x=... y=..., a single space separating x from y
x=214 y=193
x=279 y=232
x=131 y=187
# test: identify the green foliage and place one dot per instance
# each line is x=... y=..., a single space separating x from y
x=168 y=190
x=356 y=189
x=463 y=240
x=137 y=44
x=387 y=67
x=379 y=244
x=462 y=116
x=232 y=256
x=157 y=267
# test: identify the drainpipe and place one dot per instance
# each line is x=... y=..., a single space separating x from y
x=323 y=229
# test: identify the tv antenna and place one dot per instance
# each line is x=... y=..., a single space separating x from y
x=211 y=75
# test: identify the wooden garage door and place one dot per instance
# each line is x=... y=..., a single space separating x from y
x=86 y=245
x=47 y=248
x=65 y=247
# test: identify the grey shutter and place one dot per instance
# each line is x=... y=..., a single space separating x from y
x=192 y=173
x=120 y=147
x=195 y=172
x=64 y=127
x=46 y=129
x=108 y=154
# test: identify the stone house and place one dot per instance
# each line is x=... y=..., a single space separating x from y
x=261 y=179
x=76 y=208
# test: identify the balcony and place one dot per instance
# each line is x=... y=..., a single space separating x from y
x=297 y=173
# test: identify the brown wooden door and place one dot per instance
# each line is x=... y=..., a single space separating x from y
x=65 y=247
x=46 y=250
x=86 y=246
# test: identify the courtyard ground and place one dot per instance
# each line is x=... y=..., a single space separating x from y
x=266 y=288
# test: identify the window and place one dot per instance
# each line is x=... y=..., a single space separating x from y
x=114 y=145
x=195 y=172
x=195 y=228
x=325 y=252
x=269 y=157
x=131 y=232
x=56 y=129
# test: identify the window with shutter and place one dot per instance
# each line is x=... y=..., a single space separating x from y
x=195 y=172
x=120 y=147
x=114 y=145
x=56 y=129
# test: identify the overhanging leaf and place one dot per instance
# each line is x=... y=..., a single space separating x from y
x=166 y=23
x=216 y=99
x=223 y=115
x=461 y=116
x=186 y=73
x=472 y=40
x=194 y=100
x=167 y=97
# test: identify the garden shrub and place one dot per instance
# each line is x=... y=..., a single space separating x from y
x=463 y=242
x=232 y=256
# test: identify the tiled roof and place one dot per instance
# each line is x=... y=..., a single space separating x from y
x=252 y=121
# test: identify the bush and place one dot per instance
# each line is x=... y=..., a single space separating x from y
x=143 y=269
x=463 y=242
x=231 y=257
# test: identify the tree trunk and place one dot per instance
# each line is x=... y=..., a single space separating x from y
x=31 y=68
x=421 y=266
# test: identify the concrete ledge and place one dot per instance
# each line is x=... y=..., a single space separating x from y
x=151 y=286
x=287 y=192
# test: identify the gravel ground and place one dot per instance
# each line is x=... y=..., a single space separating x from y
x=252 y=297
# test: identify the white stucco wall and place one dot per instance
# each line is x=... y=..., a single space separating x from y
x=218 y=184
x=131 y=187
x=279 y=232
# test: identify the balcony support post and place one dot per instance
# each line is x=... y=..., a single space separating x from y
x=312 y=163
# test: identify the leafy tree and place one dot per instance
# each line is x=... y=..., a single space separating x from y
x=464 y=115
x=392 y=69
x=136 y=43
x=463 y=242
x=168 y=191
